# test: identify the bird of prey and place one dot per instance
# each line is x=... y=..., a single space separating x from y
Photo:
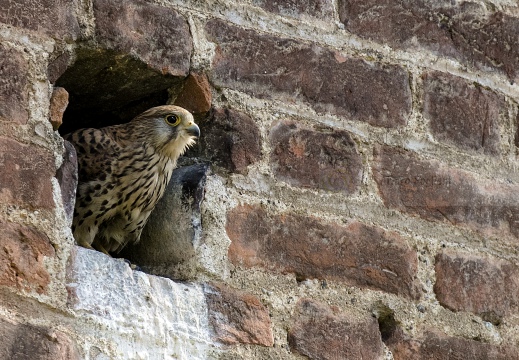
x=123 y=172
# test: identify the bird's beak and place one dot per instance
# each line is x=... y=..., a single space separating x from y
x=193 y=130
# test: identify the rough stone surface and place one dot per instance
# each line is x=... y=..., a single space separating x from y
x=465 y=31
x=157 y=35
x=288 y=243
x=322 y=9
x=484 y=285
x=323 y=333
x=174 y=226
x=67 y=176
x=231 y=139
x=26 y=175
x=22 y=253
x=324 y=159
x=54 y=18
x=145 y=316
x=58 y=105
x=432 y=345
x=14 y=93
x=436 y=192
x=195 y=95
x=237 y=317
x=58 y=63
x=29 y=342
x=463 y=113
x=286 y=70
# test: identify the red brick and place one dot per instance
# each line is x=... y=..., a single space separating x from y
x=195 y=95
x=462 y=113
x=316 y=158
x=58 y=105
x=238 y=317
x=484 y=285
x=287 y=70
x=30 y=342
x=14 y=86
x=436 y=192
x=155 y=34
x=231 y=139
x=26 y=175
x=55 y=18
x=356 y=254
x=433 y=345
x=22 y=253
x=322 y=9
x=468 y=32
x=322 y=333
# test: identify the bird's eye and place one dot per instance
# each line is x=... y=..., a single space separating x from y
x=172 y=120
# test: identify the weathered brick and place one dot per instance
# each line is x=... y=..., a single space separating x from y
x=466 y=31
x=55 y=18
x=58 y=105
x=288 y=70
x=323 y=333
x=317 y=158
x=436 y=192
x=238 y=317
x=30 y=342
x=58 y=64
x=462 y=113
x=22 y=253
x=432 y=345
x=322 y=9
x=155 y=34
x=14 y=87
x=231 y=139
x=195 y=95
x=481 y=284
x=26 y=175
x=356 y=254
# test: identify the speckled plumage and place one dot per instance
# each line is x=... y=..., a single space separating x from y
x=123 y=172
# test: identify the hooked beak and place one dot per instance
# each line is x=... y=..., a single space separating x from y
x=193 y=130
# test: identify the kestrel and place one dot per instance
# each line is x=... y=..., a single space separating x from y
x=123 y=172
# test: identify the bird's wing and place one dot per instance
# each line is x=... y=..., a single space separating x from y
x=96 y=150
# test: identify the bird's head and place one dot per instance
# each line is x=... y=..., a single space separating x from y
x=170 y=129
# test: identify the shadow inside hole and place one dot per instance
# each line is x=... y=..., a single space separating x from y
x=107 y=88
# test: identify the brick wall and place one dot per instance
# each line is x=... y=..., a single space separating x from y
x=361 y=199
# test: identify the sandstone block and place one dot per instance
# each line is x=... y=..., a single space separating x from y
x=484 y=285
x=308 y=157
x=237 y=317
x=29 y=342
x=468 y=32
x=287 y=70
x=22 y=254
x=355 y=254
x=323 y=333
x=14 y=85
x=231 y=139
x=436 y=192
x=462 y=113
x=25 y=179
x=50 y=17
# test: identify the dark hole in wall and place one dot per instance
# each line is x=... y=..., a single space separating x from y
x=387 y=324
x=107 y=88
